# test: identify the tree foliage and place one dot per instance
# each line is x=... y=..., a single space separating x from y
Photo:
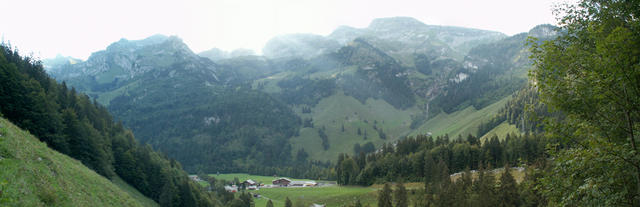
x=592 y=74
x=384 y=196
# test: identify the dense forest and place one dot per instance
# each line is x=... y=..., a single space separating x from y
x=421 y=158
x=73 y=124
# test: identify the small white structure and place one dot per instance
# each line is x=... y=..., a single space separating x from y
x=232 y=188
x=195 y=178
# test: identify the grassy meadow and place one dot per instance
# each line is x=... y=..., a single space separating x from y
x=31 y=174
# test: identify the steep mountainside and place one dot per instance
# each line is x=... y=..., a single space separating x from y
x=399 y=37
x=129 y=64
x=176 y=101
x=244 y=107
x=72 y=124
x=299 y=45
x=31 y=174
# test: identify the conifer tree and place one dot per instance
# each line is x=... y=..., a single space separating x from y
x=508 y=190
x=287 y=203
x=400 y=195
x=358 y=204
x=384 y=196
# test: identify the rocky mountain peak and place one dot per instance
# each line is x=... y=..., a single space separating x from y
x=544 y=31
x=395 y=23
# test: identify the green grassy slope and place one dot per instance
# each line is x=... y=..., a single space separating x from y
x=501 y=131
x=461 y=122
x=31 y=174
x=145 y=201
x=338 y=109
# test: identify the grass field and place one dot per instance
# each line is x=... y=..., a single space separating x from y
x=337 y=110
x=331 y=195
x=501 y=131
x=31 y=174
x=461 y=122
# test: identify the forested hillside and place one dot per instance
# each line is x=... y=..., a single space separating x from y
x=242 y=113
x=580 y=106
x=73 y=124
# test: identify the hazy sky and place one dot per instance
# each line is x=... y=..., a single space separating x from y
x=77 y=28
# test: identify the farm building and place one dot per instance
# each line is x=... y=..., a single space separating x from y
x=281 y=182
x=302 y=184
x=232 y=188
x=249 y=183
x=194 y=178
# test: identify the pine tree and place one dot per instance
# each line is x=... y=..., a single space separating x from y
x=358 y=204
x=269 y=203
x=287 y=203
x=384 y=196
x=484 y=189
x=508 y=191
x=400 y=195
x=430 y=170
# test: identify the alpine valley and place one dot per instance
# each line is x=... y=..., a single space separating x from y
x=309 y=97
x=397 y=113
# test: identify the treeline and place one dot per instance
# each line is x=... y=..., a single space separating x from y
x=418 y=159
x=299 y=166
x=484 y=189
x=525 y=111
x=72 y=124
x=298 y=90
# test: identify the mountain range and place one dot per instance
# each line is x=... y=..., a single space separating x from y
x=321 y=95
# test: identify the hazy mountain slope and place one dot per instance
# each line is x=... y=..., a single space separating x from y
x=125 y=63
x=176 y=101
x=59 y=61
x=229 y=115
x=74 y=125
x=399 y=37
x=402 y=36
x=31 y=174
x=299 y=45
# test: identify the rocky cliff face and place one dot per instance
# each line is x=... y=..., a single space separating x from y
x=128 y=60
x=405 y=35
x=398 y=36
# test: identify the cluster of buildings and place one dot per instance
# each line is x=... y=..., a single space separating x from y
x=280 y=182
x=285 y=182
